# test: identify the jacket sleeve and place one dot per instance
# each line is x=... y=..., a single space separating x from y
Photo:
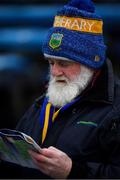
x=109 y=167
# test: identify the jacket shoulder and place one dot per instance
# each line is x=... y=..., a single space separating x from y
x=29 y=118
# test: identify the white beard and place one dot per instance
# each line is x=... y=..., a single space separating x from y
x=60 y=94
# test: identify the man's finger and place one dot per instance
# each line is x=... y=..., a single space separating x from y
x=39 y=157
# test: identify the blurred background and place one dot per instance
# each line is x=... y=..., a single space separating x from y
x=23 y=72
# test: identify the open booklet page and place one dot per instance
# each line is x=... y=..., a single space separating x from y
x=14 y=146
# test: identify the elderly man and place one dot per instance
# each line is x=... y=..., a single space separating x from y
x=76 y=122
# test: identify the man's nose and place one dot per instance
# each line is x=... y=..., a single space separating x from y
x=56 y=70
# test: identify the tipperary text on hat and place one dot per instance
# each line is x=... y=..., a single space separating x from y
x=79 y=24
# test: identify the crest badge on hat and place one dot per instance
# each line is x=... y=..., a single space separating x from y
x=55 y=40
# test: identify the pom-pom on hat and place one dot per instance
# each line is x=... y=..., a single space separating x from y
x=77 y=35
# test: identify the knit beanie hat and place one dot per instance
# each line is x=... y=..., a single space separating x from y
x=77 y=35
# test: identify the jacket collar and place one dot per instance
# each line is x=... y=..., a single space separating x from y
x=103 y=89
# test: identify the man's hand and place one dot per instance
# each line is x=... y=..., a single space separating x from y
x=52 y=162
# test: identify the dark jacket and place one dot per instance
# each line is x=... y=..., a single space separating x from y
x=88 y=131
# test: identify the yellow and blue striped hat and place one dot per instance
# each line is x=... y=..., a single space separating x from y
x=77 y=35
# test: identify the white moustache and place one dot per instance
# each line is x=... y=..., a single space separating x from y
x=61 y=78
